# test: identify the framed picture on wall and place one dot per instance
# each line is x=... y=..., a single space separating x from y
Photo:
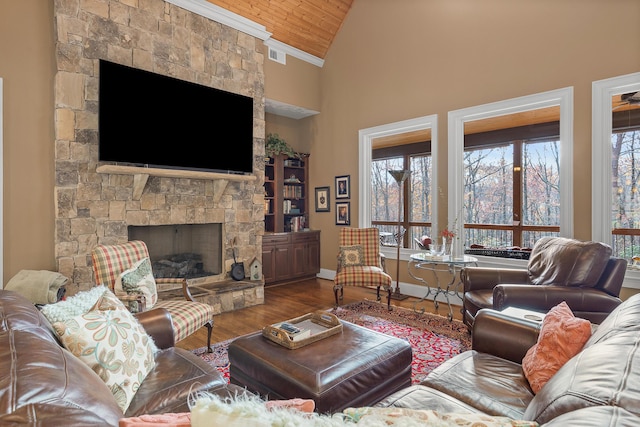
x=343 y=213
x=322 y=199
x=342 y=187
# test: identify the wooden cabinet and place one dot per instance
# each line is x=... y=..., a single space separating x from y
x=290 y=256
x=286 y=194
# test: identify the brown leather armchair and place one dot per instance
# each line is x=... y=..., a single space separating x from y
x=583 y=274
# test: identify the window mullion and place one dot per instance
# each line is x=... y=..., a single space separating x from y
x=517 y=193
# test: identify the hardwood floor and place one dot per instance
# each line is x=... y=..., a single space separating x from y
x=292 y=300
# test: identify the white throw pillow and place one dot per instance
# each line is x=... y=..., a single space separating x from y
x=138 y=280
x=74 y=305
x=112 y=343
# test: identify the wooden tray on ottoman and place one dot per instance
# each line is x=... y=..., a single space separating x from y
x=319 y=325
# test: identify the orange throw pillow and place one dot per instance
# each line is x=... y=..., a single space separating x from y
x=562 y=336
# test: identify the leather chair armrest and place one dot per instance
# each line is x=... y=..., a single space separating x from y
x=157 y=323
x=503 y=336
x=545 y=297
x=475 y=278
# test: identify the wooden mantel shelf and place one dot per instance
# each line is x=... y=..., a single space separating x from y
x=142 y=174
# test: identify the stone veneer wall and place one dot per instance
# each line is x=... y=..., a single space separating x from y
x=93 y=208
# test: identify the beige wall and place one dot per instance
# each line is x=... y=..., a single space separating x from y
x=296 y=83
x=396 y=60
x=27 y=69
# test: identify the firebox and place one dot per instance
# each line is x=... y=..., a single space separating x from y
x=183 y=250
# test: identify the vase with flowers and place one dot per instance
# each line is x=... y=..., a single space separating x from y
x=447 y=240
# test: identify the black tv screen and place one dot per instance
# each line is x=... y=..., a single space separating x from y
x=147 y=119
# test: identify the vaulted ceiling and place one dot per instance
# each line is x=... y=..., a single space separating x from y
x=307 y=25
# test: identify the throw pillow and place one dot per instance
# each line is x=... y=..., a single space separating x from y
x=112 y=343
x=351 y=256
x=138 y=280
x=74 y=305
x=562 y=336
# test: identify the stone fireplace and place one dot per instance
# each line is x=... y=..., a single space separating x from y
x=96 y=205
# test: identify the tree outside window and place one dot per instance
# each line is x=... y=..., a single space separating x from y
x=416 y=199
x=511 y=192
x=625 y=206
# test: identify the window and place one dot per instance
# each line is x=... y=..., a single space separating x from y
x=415 y=204
x=459 y=119
x=372 y=137
x=615 y=211
x=512 y=194
x=625 y=179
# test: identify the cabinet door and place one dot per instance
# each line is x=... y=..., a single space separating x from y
x=314 y=257
x=283 y=262
x=300 y=259
x=268 y=263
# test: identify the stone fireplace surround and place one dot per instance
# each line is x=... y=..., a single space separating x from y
x=93 y=207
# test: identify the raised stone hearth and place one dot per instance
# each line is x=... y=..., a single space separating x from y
x=228 y=295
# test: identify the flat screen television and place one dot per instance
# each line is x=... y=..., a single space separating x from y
x=147 y=119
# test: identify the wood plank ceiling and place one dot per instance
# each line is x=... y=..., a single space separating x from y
x=308 y=25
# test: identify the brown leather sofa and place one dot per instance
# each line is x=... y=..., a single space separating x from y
x=581 y=273
x=598 y=387
x=44 y=384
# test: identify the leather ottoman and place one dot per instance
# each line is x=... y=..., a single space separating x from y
x=357 y=367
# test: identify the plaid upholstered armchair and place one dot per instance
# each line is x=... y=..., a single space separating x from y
x=360 y=262
x=126 y=270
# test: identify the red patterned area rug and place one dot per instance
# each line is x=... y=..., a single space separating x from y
x=433 y=338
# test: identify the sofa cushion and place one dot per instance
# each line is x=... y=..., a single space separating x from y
x=138 y=280
x=488 y=383
x=603 y=373
x=41 y=382
x=567 y=262
x=113 y=344
x=562 y=336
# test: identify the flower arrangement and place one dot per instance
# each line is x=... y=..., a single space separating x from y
x=447 y=234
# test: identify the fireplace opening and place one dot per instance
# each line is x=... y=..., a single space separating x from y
x=183 y=250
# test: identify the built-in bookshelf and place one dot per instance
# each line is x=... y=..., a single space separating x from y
x=286 y=194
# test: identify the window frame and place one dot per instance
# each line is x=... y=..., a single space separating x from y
x=456 y=120
x=601 y=154
x=365 y=157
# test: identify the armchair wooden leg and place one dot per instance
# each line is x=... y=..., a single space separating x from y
x=378 y=293
x=209 y=326
x=389 y=299
x=337 y=288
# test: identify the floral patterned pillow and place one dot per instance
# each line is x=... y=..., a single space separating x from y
x=138 y=280
x=112 y=343
x=351 y=256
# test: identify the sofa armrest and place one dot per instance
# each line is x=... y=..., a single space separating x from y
x=475 y=278
x=545 y=297
x=503 y=336
x=157 y=323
